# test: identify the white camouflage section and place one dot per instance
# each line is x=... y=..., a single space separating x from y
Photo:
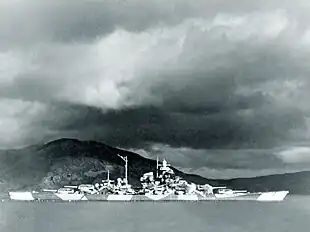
x=71 y=197
x=273 y=196
x=119 y=197
x=21 y=196
x=188 y=198
x=157 y=197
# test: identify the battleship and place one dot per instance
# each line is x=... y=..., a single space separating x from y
x=164 y=185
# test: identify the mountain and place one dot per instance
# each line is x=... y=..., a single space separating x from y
x=296 y=183
x=70 y=161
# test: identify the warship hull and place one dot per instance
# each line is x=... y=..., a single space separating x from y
x=54 y=196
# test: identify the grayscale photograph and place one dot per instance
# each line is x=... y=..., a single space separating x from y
x=154 y=115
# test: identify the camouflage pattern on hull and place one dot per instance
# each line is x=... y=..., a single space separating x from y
x=240 y=197
x=45 y=196
x=97 y=197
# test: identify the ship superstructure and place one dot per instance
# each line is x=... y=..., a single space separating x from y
x=164 y=185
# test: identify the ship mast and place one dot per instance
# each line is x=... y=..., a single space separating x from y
x=157 y=165
x=126 y=166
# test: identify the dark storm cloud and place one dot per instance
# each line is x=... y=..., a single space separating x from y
x=156 y=128
x=144 y=126
x=33 y=21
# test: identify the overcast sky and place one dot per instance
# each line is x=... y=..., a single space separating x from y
x=215 y=86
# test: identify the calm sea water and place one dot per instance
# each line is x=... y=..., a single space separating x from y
x=292 y=215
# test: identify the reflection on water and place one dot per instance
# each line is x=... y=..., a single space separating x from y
x=290 y=215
